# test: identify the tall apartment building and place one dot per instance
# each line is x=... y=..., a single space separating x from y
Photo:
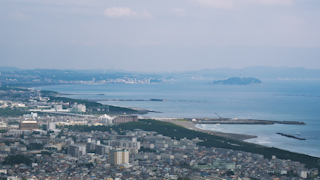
x=125 y=119
x=28 y=125
x=76 y=150
x=102 y=149
x=118 y=156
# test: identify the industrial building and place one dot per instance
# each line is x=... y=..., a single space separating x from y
x=125 y=119
x=28 y=125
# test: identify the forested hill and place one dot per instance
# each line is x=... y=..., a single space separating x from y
x=238 y=81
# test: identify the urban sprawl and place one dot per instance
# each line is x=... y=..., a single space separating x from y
x=59 y=140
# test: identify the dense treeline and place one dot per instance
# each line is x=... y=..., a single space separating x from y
x=8 y=112
x=8 y=88
x=48 y=92
x=17 y=159
x=143 y=149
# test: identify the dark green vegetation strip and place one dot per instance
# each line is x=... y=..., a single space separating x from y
x=17 y=159
x=178 y=132
x=47 y=92
x=8 y=112
x=8 y=88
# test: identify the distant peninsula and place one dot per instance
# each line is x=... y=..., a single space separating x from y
x=238 y=81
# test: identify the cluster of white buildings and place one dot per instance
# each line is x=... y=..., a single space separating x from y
x=75 y=108
x=105 y=119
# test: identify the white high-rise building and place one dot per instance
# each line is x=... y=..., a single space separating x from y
x=78 y=108
x=51 y=126
x=105 y=119
x=118 y=156
x=58 y=107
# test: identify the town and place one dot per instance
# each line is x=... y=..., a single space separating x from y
x=67 y=140
x=9 y=76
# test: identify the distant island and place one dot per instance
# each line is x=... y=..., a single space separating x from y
x=238 y=81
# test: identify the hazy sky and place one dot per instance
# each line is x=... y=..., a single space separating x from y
x=166 y=35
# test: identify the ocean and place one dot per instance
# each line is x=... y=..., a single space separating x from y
x=283 y=100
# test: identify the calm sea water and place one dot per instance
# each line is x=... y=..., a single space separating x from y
x=273 y=100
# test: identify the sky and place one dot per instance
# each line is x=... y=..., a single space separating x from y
x=166 y=35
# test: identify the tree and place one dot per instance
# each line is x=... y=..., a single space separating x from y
x=17 y=159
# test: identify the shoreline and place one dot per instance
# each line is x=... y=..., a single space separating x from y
x=234 y=136
x=191 y=125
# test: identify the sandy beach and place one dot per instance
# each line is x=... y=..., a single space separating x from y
x=191 y=125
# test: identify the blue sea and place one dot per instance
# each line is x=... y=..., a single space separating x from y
x=287 y=100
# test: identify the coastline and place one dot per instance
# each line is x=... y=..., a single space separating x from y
x=241 y=137
x=191 y=125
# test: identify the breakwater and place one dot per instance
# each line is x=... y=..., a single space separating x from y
x=290 y=136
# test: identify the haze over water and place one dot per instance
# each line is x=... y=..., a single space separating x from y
x=273 y=100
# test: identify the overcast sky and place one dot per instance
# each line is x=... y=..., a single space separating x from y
x=166 y=35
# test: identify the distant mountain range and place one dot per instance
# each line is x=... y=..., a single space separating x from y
x=13 y=75
x=5 y=68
